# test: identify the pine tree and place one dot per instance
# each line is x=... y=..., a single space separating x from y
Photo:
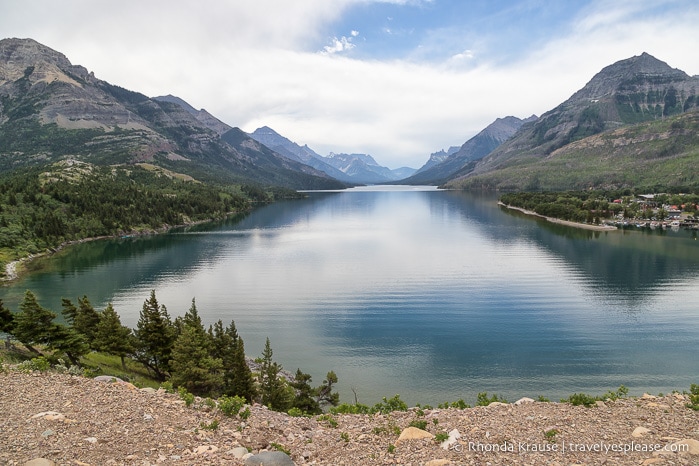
x=112 y=337
x=241 y=383
x=272 y=388
x=228 y=346
x=86 y=320
x=155 y=336
x=304 y=399
x=7 y=322
x=65 y=340
x=33 y=325
x=325 y=394
x=7 y=319
x=192 y=364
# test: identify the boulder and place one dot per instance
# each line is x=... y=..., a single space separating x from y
x=413 y=433
x=270 y=458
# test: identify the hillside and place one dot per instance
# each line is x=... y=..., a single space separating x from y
x=75 y=420
x=462 y=160
x=614 y=132
x=51 y=110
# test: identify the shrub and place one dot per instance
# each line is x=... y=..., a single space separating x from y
x=390 y=405
x=232 y=406
x=419 y=423
x=483 y=400
x=40 y=364
x=694 y=397
x=580 y=399
x=345 y=408
x=441 y=437
x=187 y=397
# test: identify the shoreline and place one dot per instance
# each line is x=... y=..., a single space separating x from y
x=13 y=269
x=584 y=226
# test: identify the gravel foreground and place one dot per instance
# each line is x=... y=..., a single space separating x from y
x=78 y=421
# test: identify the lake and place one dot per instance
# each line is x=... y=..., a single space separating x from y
x=432 y=295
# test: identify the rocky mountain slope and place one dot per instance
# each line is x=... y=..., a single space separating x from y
x=69 y=420
x=350 y=168
x=52 y=110
x=293 y=151
x=462 y=160
x=634 y=93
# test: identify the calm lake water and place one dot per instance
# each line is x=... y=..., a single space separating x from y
x=433 y=295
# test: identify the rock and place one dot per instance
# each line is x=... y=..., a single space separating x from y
x=690 y=446
x=205 y=450
x=50 y=416
x=108 y=379
x=639 y=432
x=239 y=452
x=270 y=458
x=150 y=390
x=91 y=440
x=39 y=462
x=683 y=447
x=413 y=433
x=454 y=436
x=47 y=433
x=600 y=404
x=646 y=396
x=439 y=462
x=524 y=400
x=495 y=404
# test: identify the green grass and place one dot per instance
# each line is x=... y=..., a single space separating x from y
x=105 y=364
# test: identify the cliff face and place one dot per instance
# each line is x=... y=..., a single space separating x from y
x=637 y=90
x=51 y=110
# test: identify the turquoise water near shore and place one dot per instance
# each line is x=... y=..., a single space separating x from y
x=434 y=295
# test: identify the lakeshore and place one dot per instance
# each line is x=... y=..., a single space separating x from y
x=584 y=226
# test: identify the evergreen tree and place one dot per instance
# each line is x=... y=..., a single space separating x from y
x=86 y=320
x=155 y=336
x=69 y=310
x=241 y=382
x=65 y=340
x=229 y=347
x=304 y=399
x=7 y=319
x=112 y=337
x=33 y=325
x=272 y=388
x=7 y=322
x=325 y=394
x=192 y=364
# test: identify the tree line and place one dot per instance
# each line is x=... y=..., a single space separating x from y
x=206 y=363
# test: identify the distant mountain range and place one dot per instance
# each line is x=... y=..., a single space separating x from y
x=52 y=110
x=351 y=168
x=636 y=123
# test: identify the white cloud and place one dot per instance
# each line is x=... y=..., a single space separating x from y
x=342 y=44
x=255 y=62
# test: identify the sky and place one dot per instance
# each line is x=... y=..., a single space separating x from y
x=396 y=79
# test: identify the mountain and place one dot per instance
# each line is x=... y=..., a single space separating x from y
x=51 y=110
x=437 y=157
x=293 y=151
x=362 y=168
x=627 y=110
x=350 y=168
x=202 y=115
x=462 y=160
